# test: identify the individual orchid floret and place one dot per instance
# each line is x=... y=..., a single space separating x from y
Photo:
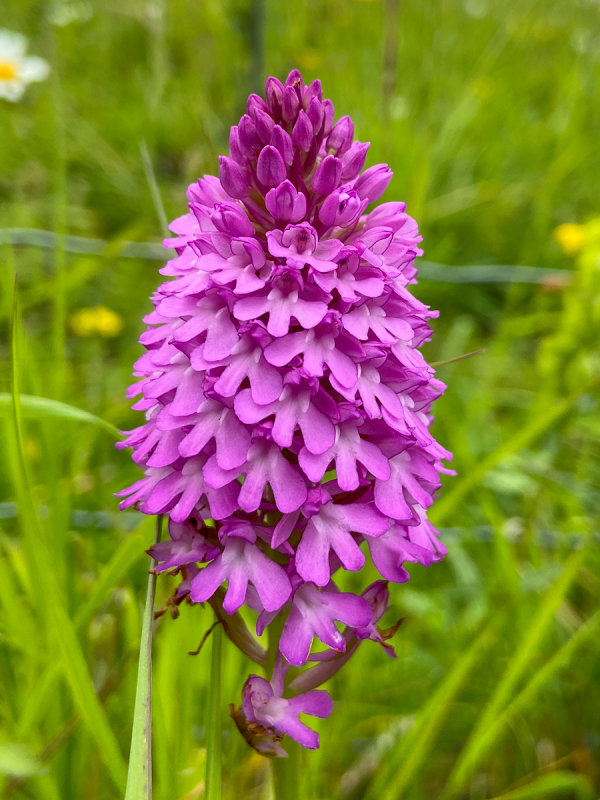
x=267 y=715
x=288 y=408
x=313 y=614
x=241 y=562
x=186 y=546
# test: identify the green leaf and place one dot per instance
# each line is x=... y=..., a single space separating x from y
x=45 y=407
x=549 y=785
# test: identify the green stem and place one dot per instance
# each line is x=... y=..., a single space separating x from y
x=213 y=732
x=139 y=776
x=287 y=773
x=59 y=302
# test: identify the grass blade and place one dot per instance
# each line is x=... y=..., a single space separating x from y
x=550 y=785
x=413 y=749
x=542 y=677
x=154 y=190
x=540 y=423
x=109 y=577
x=478 y=741
x=62 y=632
x=139 y=777
x=33 y=406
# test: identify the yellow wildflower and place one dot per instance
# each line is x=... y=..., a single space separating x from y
x=570 y=237
x=96 y=321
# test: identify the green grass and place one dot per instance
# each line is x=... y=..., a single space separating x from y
x=488 y=114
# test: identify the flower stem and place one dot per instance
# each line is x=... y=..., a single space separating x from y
x=287 y=773
x=213 y=722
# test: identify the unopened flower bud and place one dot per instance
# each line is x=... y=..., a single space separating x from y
x=234 y=146
x=270 y=168
x=341 y=208
x=232 y=178
x=328 y=116
x=285 y=203
x=340 y=138
x=294 y=79
x=290 y=104
x=353 y=160
x=302 y=133
x=373 y=182
x=249 y=137
x=230 y=218
x=274 y=95
x=327 y=175
x=283 y=142
x=256 y=103
x=315 y=114
x=264 y=125
x=312 y=92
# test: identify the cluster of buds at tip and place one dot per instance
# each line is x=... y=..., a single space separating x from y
x=287 y=403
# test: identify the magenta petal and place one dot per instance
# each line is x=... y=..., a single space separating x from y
x=343 y=368
x=347 y=551
x=300 y=732
x=224 y=501
x=309 y=314
x=221 y=339
x=312 y=556
x=296 y=639
x=250 y=307
x=266 y=384
x=196 y=439
x=348 y=608
x=362 y=518
x=189 y=395
x=215 y=476
x=317 y=703
x=346 y=470
x=271 y=582
x=281 y=351
x=317 y=430
x=283 y=529
x=253 y=487
x=280 y=312
x=285 y=424
x=237 y=584
x=208 y=580
x=312 y=465
x=288 y=486
x=233 y=441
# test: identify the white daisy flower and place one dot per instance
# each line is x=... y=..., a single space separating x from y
x=17 y=70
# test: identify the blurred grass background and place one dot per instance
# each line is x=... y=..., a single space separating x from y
x=488 y=114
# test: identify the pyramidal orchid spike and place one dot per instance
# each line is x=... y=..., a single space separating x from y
x=287 y=405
